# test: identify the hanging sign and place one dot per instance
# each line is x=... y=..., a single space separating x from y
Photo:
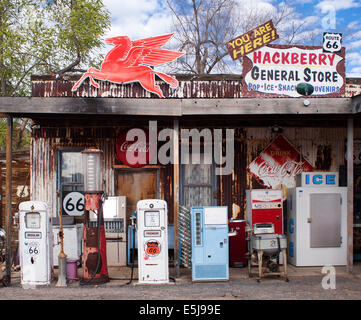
x=134 y=153
x=293 y=71
x=279 y=164
x=132 y=61
x=252 y=40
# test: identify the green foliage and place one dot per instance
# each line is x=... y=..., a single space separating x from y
x=46 y=37
x=21 y=134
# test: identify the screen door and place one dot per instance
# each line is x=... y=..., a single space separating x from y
x=325 y=222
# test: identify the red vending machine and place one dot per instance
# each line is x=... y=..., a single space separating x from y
x=237 y=243
x=265 y=205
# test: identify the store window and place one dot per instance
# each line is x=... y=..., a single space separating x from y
x=71 y=181
x=198 y=184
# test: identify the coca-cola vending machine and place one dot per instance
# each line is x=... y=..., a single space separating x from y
x=265 y=206
x=237 y=243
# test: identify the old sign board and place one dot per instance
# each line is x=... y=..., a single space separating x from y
x=332 y=42
x=252 y=40
x=293 y=71
x=134 y=153
x=279 y=164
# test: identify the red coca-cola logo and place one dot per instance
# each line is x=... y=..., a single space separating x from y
x=279 y=164
x=134 y=153
x=289 y=168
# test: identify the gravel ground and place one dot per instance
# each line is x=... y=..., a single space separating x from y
x=177 y=300
x=348 y=287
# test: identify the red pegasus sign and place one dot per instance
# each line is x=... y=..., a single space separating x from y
x=130 y=61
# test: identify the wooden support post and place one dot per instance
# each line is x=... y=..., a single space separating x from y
x=349 y=195
x=8 y=196
x=176 y=194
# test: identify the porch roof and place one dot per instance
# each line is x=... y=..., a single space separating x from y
x=28 y=106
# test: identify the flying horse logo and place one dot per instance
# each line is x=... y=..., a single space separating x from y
x=130 y=61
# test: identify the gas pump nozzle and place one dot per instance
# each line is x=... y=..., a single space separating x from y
x=133 y=219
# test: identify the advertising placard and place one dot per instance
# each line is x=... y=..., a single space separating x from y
x=279 y=164
x=252 y=40
x=132 y=153
x=293 y=71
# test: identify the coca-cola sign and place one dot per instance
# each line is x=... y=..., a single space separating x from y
x=279 y=164
x=133 y=152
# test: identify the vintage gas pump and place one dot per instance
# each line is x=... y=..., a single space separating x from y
x=152 y=230
x=35 y=244
x=95 y=270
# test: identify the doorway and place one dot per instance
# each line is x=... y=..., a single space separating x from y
x=136 y=184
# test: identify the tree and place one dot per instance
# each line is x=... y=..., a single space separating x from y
x=47 y=37
x=203 y=27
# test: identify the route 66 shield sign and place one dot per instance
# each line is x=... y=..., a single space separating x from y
x=332 y=42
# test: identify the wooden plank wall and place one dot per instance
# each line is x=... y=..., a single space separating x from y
x=20 y=177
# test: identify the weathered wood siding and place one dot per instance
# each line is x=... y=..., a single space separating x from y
x=44 y=161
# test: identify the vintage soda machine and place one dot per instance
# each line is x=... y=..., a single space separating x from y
x=35 y=243
x=317 y=220
x=152 y=233
x=265 y=206
x=210 y=256
x=95 y=269
x=237 y=243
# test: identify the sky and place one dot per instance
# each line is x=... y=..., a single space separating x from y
x=147 y=18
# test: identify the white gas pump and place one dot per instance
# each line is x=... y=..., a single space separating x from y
x=152 y=231
x=35 y=244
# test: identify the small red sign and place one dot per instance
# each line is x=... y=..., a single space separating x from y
x=152 y=248
x=133 y=153
x=279 y=164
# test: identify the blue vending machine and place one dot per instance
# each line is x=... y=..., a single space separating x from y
x=209 y=243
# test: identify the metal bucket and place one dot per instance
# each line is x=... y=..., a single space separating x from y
x=72 y=270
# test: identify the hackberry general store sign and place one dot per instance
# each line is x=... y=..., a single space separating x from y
x=293 y=71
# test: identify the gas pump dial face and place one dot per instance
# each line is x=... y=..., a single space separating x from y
x=32 y=220
x=152 y=218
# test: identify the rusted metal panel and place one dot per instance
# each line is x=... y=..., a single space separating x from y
x=186 y=89
x=190 y=86
x=44 y=167
x=46 y=141
x=324 y=148
x=352 y=89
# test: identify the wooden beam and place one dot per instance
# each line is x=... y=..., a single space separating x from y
x=8 y=197
x=350 y=191
x=176 y=194
x=266 y=106
x=101 y=106
x=174 y=107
